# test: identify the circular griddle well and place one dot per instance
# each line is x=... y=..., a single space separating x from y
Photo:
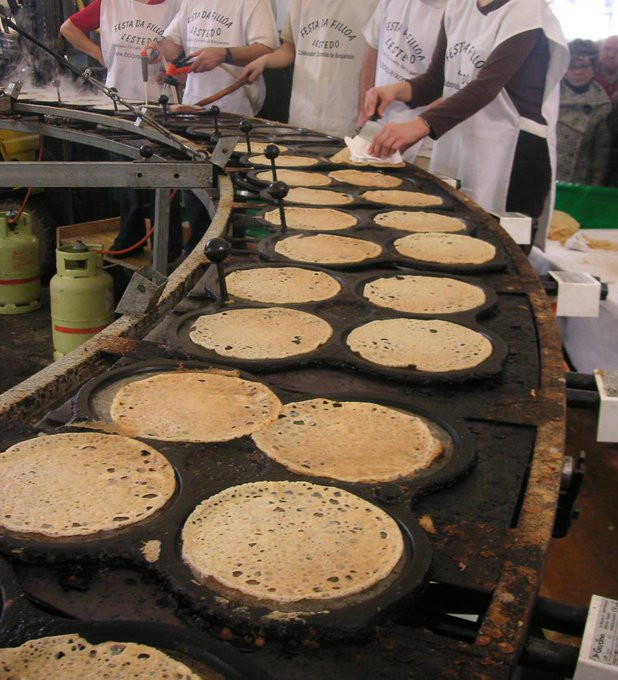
x=205 y=469
x=21 y=621
x=344 y=312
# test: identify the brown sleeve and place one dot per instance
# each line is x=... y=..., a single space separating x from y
x=501 y=66
x=427 y=88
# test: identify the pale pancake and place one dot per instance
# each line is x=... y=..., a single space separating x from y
x=432 y=346
x=272 y=333
x=317 y=197
x=78 y=484
x=445 y=248
x=282 y=285
x=353 y=441
x=258 y=147
x=313 y=219
x=71 y=657
x=343 y=157
x=419 y=221
x=562 y=226
x=221 y=407
x=291 y=541
x=296 y=178
x=362 y=178
x=409 y=199
x=327 y=249
x=285 y=161
x=424 y=294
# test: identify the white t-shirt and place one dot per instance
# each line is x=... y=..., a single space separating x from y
x=224 y=23
x=329 y=42
x=127 y=27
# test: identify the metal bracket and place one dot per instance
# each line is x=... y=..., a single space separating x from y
x=143 y=291
x=223 y=150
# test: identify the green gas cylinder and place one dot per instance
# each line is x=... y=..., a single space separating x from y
x=20 y=281
x=81 y=295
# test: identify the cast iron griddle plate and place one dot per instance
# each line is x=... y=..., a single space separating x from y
x=21 y=621
x=205 y=469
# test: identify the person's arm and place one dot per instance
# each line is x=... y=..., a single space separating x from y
x=74 y=30
x=367 y=80
x=210 y=57
x=280 y=58
x=169 y=49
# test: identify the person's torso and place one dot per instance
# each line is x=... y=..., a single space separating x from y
x=127 y=27
x=330 y=46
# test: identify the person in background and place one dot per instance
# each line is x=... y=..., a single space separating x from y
x=607 y=69
x=582 y=132
x=324 y=41
x=126 y=29
x=611 y=177
x=497 y=67
x=401 y=37
x=221 y=37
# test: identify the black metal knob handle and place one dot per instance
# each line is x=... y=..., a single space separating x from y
x=164 y=100
x=146 y=151
x=214 y=110
x=271 y=151
x=278 y=190
x=245 y=126
x=217 y=249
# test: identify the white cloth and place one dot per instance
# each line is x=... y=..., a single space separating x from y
x=359 y=152
x=224 y=23
x=127 y=27
x=404 y=33
x=480 y=150
x=329 y=46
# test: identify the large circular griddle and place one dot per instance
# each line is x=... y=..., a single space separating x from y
x=205 y=469
x=21 y=621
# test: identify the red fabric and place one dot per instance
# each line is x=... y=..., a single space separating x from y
x=610 y=87
x=89 y=18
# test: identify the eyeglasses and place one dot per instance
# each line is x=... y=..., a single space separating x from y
x=580 y=67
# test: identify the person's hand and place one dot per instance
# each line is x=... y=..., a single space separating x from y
x=398 y=137
x=377 y=99
x=154 y=54
x=207 y=59
x=254 y=70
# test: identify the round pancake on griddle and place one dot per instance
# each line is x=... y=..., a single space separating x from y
x=432 y=346
x=81 y=483
x=424 y=294
x=313 y=219
x=445 y=248
x=290 y=541
x=327 y=249
x=220 y=407
x=296 y=178
x=271 y=333
x=258 y=147
x=285 y=161
x=317 y=196
x=71 y=657
x=419 y=221
x=362 y=178
x=282 y=285
x=353 y=441
x=398 y=197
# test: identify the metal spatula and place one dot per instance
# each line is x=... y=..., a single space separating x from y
x=370 y=129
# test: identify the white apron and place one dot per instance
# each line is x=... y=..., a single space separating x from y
x=480 y=150
x=127 y=27
x=404 y=32
x=329 y=41
x=224 y=23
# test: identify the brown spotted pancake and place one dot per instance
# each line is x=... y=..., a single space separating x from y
x=432 y=346
x=400 y=198
x=296 y=178
x=445 y=248
x=353 y=441
x=362 y=178
x=424 y=294
x=221 y=407
x=327 y=249
x=281 y=285
x=322 y=197
x=271 y=333
x=79 y=484
x=291 y=541
x=286 y=161
x=313 y=219
x=71 y=657
x=419 y=221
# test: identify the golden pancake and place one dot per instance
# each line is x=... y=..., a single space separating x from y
x=327 y=249
x=296 y=178
x=313 y=219
x=318 y=197
x=419 y=221
x=445 y=248
x=362 y=178
x=397 y=197
x=285 y=161
x=281 y=285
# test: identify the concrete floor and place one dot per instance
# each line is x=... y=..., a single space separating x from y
x=579 y=565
